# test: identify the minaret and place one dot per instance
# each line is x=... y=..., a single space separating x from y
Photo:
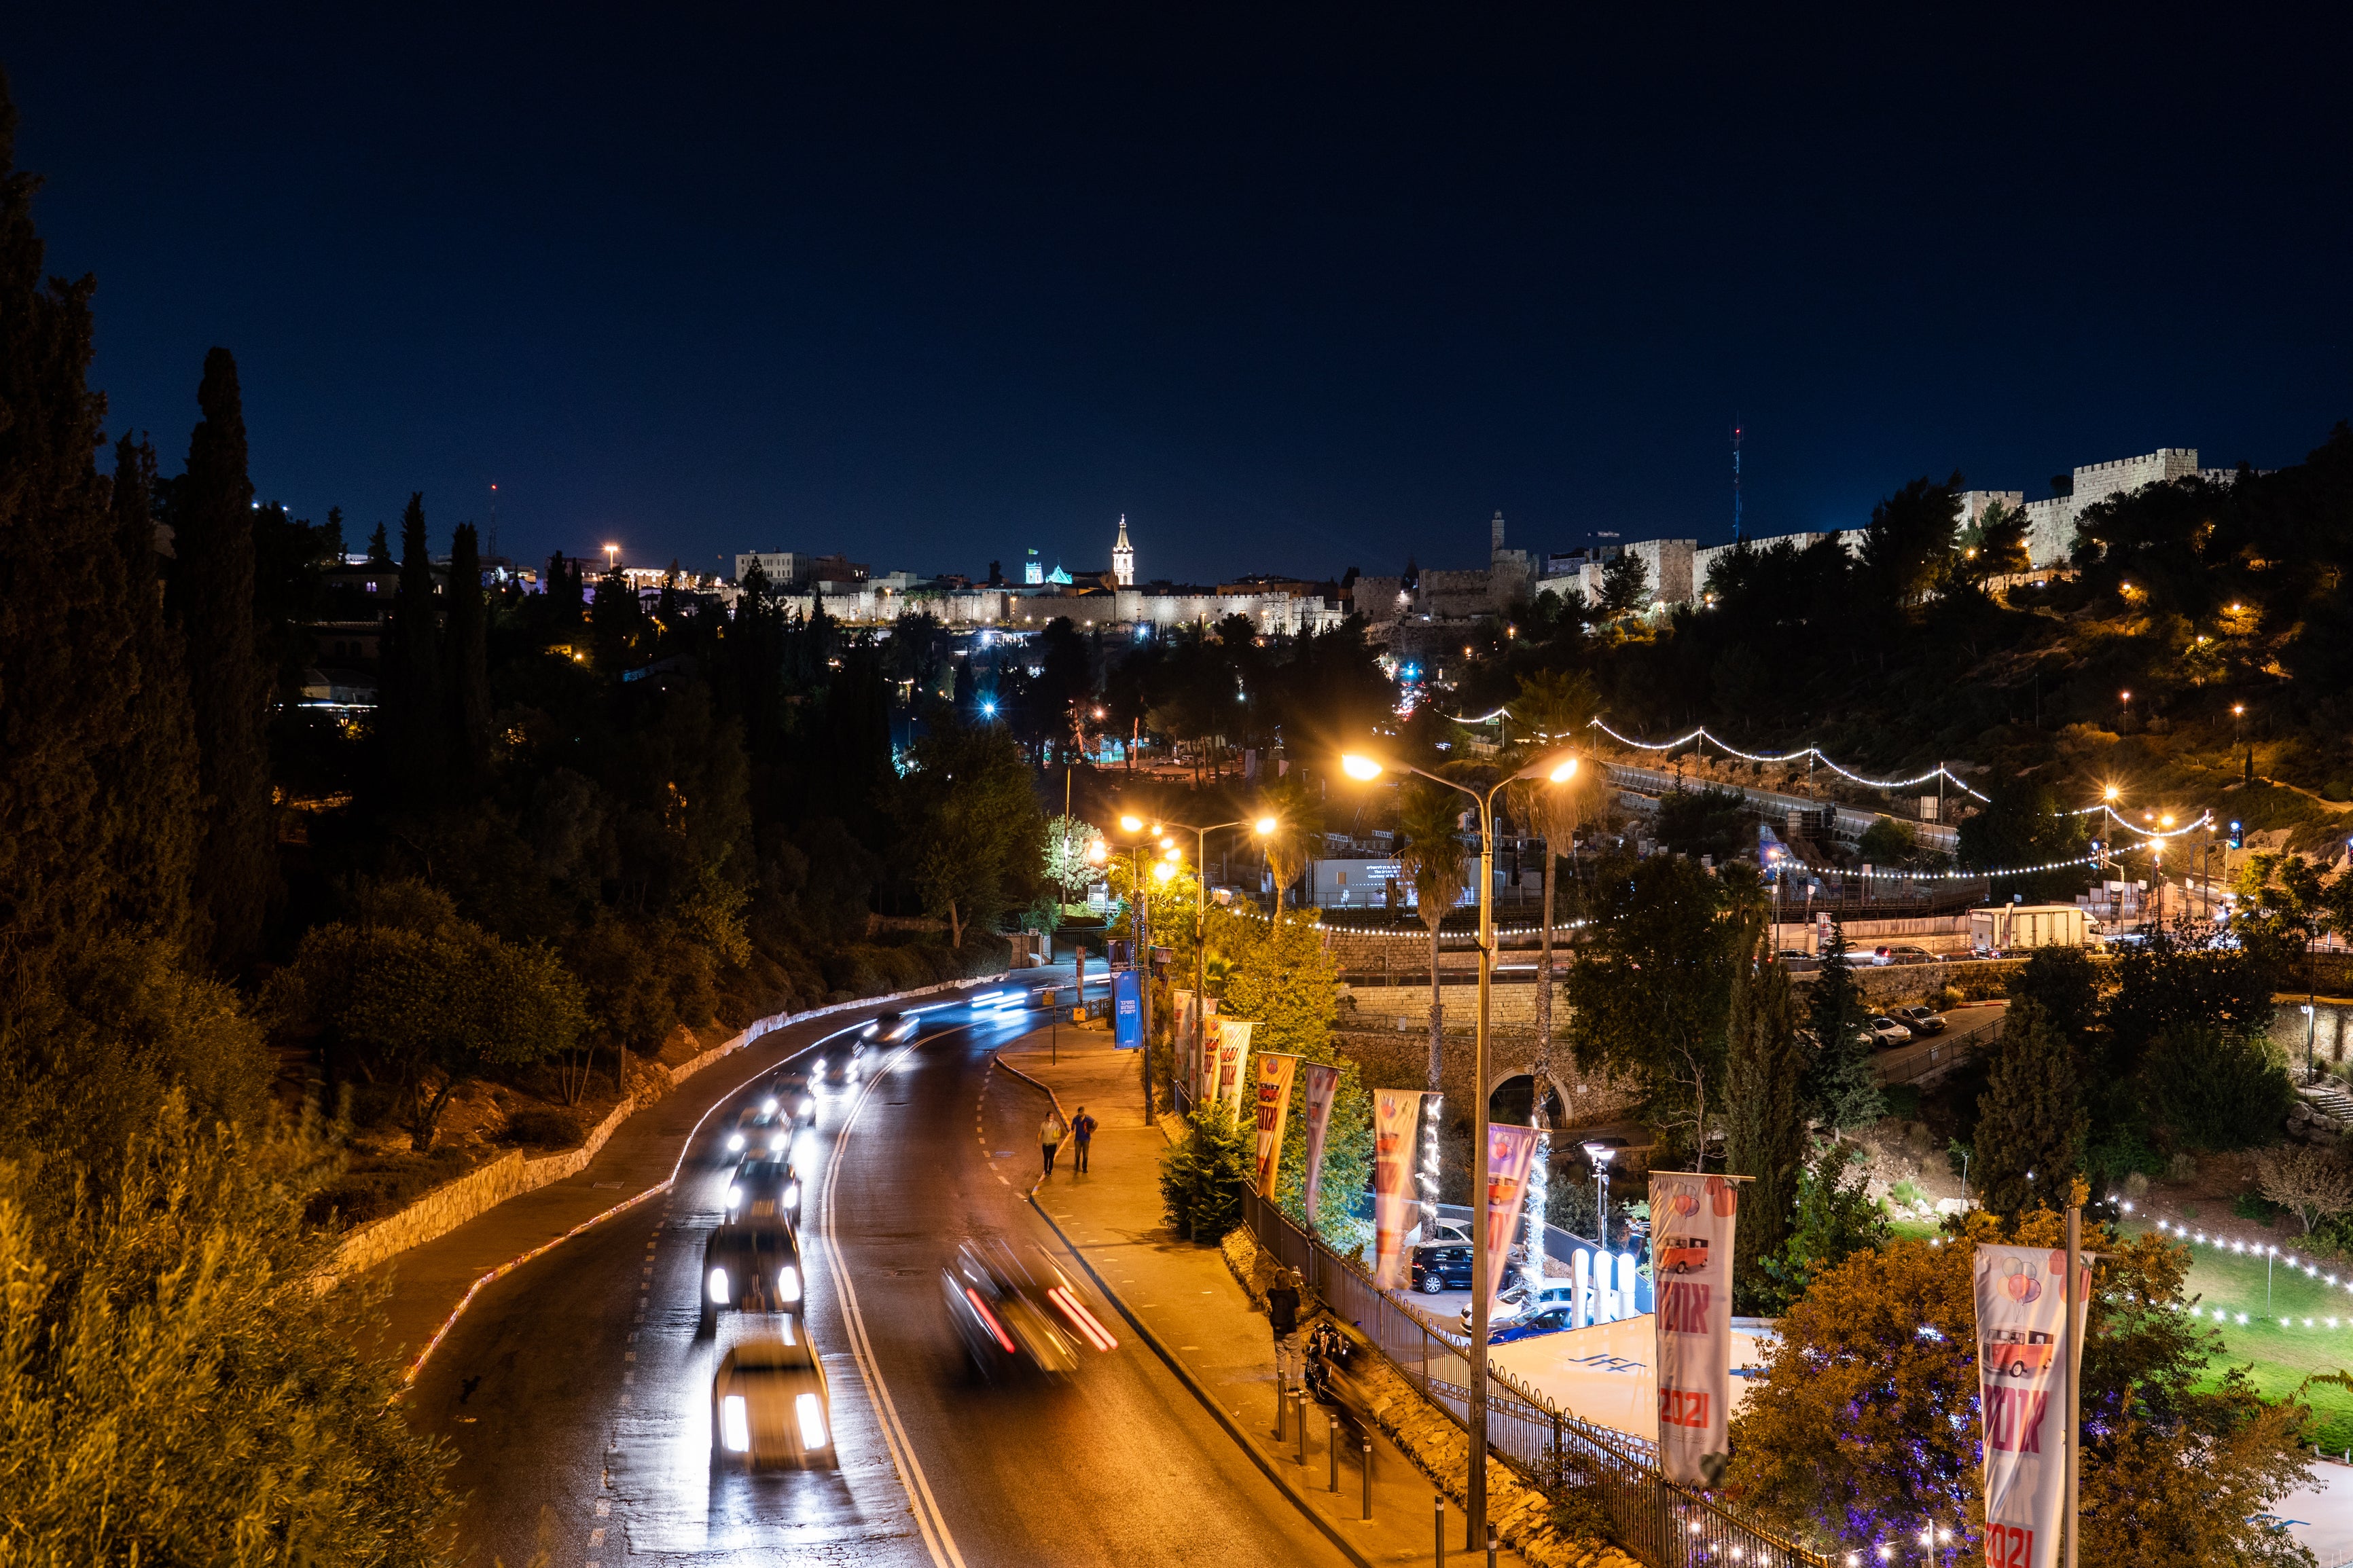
x=1122 y=557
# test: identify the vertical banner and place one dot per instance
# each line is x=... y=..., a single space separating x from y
x=1509 y=1152
x=2022 y=1333
x=1395 y=1113
x=1692 y=1222
x=1127 y=1009
x=1322 y=1083
x=1274 y=1074
x=1205 y=1065
x=1181 y=1042
x=1233 y=1054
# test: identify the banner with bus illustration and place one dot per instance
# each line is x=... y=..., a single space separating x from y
x=2023 y=1337
x=1692 y=1221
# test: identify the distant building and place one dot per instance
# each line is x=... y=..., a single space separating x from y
x=1122 y=558
x=1033 y=570
x=781 y=567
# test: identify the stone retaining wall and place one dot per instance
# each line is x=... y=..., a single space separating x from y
x=1511 y=1008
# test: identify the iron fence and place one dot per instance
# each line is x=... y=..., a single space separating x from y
x=1663 y=1524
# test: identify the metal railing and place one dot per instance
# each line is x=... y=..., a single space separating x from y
x=1660 y=1523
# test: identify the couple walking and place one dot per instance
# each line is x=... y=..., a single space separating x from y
x=1080 y=1129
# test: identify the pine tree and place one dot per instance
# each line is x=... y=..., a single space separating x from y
x=414 y=728
x=159 y=824
x=379 y=550
x=1842 y=1090
x=65 y=637
x=1766 y=1118
x=469 y=670
x=228 y=690
x=2030 y=1118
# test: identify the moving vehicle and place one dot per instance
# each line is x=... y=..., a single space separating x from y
x=884 y=1028
x=1515 y=1301
x=764 y=1188
x=1550 y=1320
x=1441 y=1266
x=1922 y=1021
x=2019 y=1352
x=764 y=1126
x=1885 y=1032
x=1018 y=1317
x=789 y=1087
x=1901 y=952
x=769 y=1403
x=2015 y=928
x=752 y=1267
x=1680 y=1254
x=841 y=1068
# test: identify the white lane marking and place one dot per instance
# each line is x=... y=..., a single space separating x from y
x=921 y=1503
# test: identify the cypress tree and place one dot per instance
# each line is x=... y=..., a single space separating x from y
x=2030 y=1118
x=159 y=819
x=1766 y=1130
x=469 y=669
x=1842 y=1090
x=414 y=727
x=237 y=868
x=65 y=634
x=379 y=549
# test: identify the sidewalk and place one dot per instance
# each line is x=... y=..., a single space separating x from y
x=1190 y=1301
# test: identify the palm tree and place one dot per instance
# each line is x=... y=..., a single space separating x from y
x=1299 y=816
x=1434 y=856
x=1551 y=713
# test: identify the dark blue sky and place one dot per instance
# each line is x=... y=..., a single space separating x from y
x=1292 y=295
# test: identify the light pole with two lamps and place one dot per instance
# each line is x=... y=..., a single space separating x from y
x=1144 y=839
x=1263 y=828
x=1364 y=769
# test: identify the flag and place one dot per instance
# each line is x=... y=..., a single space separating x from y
x=1509 y=1152
x=2022 y=1333
x=1395 y=1113
x=1205 y=1062
x=1322 y=1083
x=1692 y=1221
x=1233 y=1052
x=1180 y=1013
x=1274 y=1074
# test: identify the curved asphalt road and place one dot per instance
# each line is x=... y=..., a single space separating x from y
x=581 y=1417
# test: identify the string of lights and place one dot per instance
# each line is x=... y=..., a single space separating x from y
x=1816 y=752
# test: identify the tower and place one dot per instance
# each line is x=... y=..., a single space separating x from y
x=1736 y=481
x=1033 y=570
x=1495 y=537
x=1122 y=557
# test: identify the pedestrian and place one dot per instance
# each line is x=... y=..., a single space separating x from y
x=1283 y=1316
x=1082 y=1134
x=1050 y=1136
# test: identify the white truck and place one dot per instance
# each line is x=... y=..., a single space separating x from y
x=2013 y=928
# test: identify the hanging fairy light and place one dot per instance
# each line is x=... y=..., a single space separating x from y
x=1426 y=1177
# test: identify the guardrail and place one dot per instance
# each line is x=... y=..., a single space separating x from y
x=1660 y=1523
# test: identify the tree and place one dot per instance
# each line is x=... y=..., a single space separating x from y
x=1910 y=538
x=228 y=690
x=1650 y=991
x=1764 y=1116
x=1866 y=1418
x=2311 y=1183
x=469 y=670
x=1433 y=859
x=971 y=825
x=2215 y=1088
x=1833 y=1219
x=413 y=720
x=1297 y=813
x=2030 y=1121
x=1552 y=710
x=1625 y=585
x=1841 y=1088
x=2023 y=823
x=1887 y=842
x=379 y=549
x=155 y=852
x=2165 y=986
x=1202 y=1174
x=1995 y=544
x=1067 y=867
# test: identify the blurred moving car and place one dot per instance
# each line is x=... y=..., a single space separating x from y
x=886 y=1028
x=789 y=1087
x=752 y=1268
x=764 y=1188
x=842 y=1067
x=1885 y=1032
x=1901 y=952
x=1550 y=1320
x=1011 y=1315
x=764 y=1126
x=1922 y=1021
x=769 y=1403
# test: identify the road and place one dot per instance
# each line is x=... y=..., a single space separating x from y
x=581 y=1418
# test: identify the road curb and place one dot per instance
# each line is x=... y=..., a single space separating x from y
x=1184 y=1373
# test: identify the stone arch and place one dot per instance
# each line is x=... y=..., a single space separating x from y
x=1510 y=1097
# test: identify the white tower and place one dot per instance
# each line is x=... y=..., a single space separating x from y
x=1122 y=557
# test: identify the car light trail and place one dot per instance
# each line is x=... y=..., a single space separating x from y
x=719 y=1286
x=812 y=1421
x=788 y=1283
x=1082 y=1319
x=735 y=1426
x=989 y=1318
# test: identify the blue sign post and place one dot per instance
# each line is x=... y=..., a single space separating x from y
x=1127 y=1009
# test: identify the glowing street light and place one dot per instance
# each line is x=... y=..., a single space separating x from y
x=612 y=556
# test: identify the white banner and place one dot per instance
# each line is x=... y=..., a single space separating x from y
x=1396 y=1115
x=1322 y=1083
x=2022 y=1387
x=1509 y=1152
x=1692 y=1222
x=1233 y=1051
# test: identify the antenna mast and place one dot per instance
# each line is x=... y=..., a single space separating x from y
x=1736 y=480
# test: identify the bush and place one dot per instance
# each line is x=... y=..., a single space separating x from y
x=543 y=1126
x=2253 y=1206
x=1202 y=1177
x=371 y=1189
x=2217 y=1091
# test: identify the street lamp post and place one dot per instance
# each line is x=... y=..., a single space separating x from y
x=1142 y=837
x=1363 y=769
x=1601 y=1155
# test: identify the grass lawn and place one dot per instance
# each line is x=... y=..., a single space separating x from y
x=2279 y=1357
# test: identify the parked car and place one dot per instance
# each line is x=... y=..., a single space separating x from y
x=769 y=1403
x=1901 y=952
x=1457 y=1233
x=1515 y=1301
x=1885 y=1032
x=1441 y=1266
x=1551 y=1321
x=1922 y=1021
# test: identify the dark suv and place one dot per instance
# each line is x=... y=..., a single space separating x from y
x=1441 y=1266
x=1922 y=1021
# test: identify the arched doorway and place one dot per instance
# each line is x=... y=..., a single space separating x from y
x=1513 y=1100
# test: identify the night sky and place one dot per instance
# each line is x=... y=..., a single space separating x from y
x=1293 y=296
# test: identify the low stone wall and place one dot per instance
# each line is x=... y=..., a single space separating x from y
x=1511 y=1008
